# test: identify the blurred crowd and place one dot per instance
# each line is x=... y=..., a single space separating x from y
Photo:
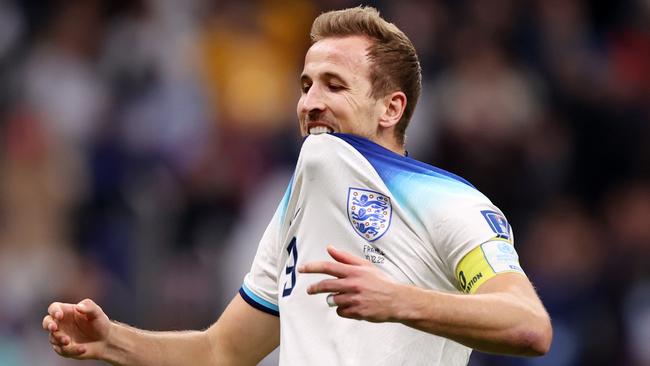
x=145 y=144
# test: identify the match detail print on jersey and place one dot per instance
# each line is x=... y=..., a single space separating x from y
x=486 y=261
x=369 y=212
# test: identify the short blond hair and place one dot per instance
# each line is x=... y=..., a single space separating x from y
x=395 y=64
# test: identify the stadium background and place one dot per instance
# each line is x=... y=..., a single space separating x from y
x=144 y=145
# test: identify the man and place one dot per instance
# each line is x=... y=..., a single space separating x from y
x=362 y=233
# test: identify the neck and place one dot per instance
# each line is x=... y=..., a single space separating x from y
x=391 y=144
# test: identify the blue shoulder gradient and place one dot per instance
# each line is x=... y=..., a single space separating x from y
x=416 y=185
x=389 y=164
x=258 y=302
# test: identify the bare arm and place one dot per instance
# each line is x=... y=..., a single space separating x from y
x=504 y=316
x=243 y=335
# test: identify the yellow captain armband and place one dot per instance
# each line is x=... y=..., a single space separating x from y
x=486 y=261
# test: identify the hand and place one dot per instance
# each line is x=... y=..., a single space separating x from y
x=360 y=290
x=77 y=330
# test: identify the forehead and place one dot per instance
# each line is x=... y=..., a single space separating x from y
x=345 y=55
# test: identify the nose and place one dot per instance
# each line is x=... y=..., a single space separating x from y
x=312 y=101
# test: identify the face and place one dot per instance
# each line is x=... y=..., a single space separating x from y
x=336 y=89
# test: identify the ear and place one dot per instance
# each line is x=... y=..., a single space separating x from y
x=394 y=104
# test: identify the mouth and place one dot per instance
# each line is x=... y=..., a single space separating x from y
x=317 y=130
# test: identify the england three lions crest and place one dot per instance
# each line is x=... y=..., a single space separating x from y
x=369 y=213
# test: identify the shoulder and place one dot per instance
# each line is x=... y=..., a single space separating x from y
x=407 y=175
x=402 y=175
x=388 y=163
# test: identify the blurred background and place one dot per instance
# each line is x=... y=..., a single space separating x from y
x=145 y=144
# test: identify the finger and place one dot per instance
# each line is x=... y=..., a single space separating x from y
x=55 y=310
x=348 y=312
x=89 y=308
x=347 y=306
x=331 y=268
x=61 y=338
x=343 y=301
x=72 y=350
x=340 y=300
x=49 y=324
x=57 y=349
x=324 y=286
x=53 y=340
x=345 y=257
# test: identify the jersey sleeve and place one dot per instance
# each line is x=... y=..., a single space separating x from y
x=260 y=287
x=477 y=243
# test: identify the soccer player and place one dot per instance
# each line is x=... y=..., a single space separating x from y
x=372 y=258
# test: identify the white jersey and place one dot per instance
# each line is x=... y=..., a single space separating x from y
x=413 y=221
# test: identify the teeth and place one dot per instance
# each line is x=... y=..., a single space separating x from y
x=319 y=129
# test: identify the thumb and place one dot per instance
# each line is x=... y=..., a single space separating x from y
x=89 y=308
x=345 y=257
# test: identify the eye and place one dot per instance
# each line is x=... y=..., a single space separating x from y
x=305 y=87
x=335 y=87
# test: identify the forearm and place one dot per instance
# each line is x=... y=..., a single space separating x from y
x=242 y=336
x=128 y=346
x=497 y=322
